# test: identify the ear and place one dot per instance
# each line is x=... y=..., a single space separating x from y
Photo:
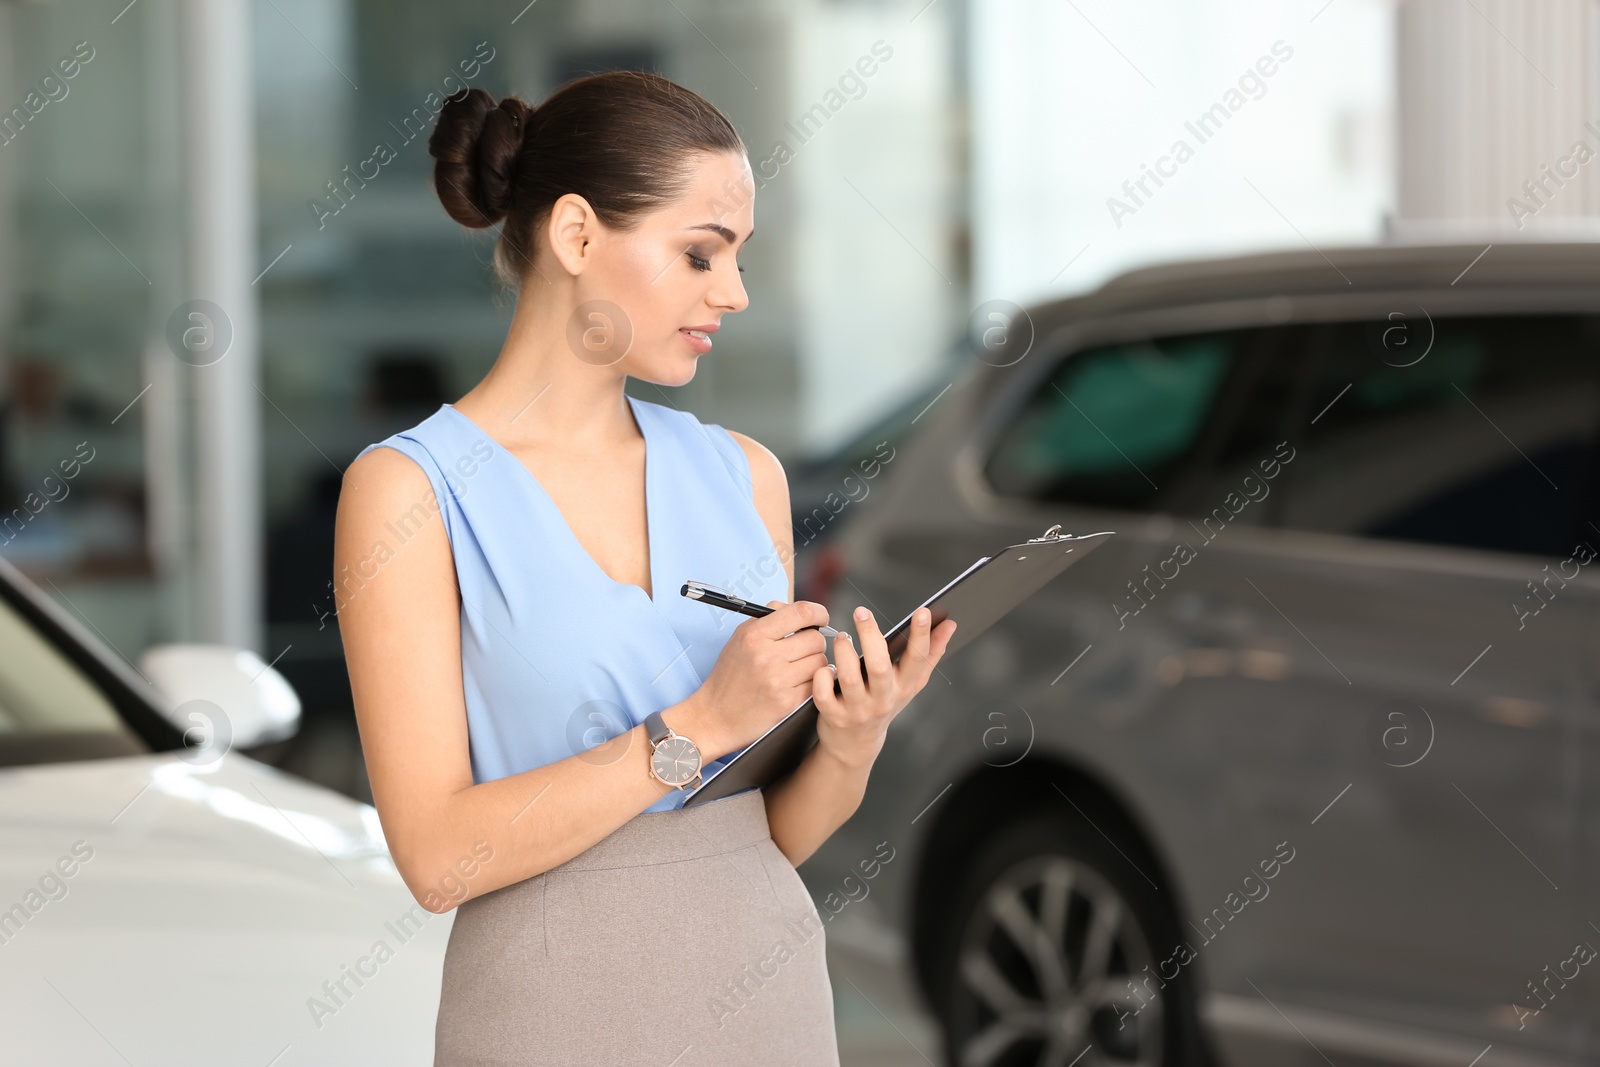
x=572 y=231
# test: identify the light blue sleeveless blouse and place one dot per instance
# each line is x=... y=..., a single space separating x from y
x=556 y=655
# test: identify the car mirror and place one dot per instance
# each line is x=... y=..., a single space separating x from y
x=257 y=704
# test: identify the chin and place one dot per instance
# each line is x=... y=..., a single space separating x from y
x=672 y=371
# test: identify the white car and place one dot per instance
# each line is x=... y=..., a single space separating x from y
x=165 y=899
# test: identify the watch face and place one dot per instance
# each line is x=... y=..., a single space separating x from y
x=676 y=761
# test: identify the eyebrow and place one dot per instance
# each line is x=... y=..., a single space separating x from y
x=726 y=234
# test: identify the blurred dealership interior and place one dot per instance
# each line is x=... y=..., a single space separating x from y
x=258 y=172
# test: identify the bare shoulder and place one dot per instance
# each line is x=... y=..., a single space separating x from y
x=384 y=468
x=384 y=481
x=767 y=474
x=383 y=491
x=771 y=491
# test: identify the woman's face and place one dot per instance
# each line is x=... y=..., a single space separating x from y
x=643 y=291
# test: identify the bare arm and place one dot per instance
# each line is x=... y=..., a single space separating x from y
x=805 y=808
x=399 y=619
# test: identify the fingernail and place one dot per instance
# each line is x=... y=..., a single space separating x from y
x=862 y=614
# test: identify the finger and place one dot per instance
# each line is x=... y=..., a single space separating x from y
x=844 y=654
x=787 y=618
x=828 y=703
x=804 y=685
x=939 y=640
x=798 y=671
x=873 y=649
x=915 y=657
x=807 y=613
x=803 y=644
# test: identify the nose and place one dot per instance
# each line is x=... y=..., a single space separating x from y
x=729 y=293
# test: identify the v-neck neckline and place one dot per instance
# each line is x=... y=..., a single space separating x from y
x=652 y=530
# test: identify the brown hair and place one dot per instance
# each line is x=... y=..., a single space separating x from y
x=619 y=139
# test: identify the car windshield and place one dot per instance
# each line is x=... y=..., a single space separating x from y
x=49 y=709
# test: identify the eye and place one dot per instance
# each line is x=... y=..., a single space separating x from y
x=702 y=264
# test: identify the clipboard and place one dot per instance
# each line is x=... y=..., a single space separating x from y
x=977 y=598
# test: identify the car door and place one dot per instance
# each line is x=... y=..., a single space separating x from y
x=1426 y=588
x=1586 y=746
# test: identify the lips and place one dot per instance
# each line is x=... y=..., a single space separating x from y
x=699 y=337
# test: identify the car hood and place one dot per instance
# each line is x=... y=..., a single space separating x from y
x=183 y=912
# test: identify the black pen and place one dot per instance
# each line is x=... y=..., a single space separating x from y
x=710 y=594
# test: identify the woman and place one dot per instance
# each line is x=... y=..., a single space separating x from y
x=518 y=648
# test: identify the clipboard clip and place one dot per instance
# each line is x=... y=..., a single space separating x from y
x=1052 y=534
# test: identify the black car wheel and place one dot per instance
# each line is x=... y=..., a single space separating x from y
x=1048 y=957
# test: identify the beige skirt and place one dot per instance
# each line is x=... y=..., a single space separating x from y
x=684 y=939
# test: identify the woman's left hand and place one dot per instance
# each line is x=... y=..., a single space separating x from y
x=852 y=724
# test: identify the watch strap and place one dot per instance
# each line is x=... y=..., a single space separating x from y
x=656 y=728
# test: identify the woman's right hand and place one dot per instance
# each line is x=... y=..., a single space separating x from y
x=760 y=676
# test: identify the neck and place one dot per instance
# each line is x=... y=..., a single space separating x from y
x=539 y=393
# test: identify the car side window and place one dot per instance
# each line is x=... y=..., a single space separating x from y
x=50 y=710
x=1485 y=441
x=1112 y=426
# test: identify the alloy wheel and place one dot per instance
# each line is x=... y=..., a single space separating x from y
x=1052 y=972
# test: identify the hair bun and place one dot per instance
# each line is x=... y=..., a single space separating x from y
x=476 y=144
x=623 y=140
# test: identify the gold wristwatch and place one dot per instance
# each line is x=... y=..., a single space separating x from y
x=674 y=759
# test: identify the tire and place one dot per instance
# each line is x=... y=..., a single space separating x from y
x=1038 y=951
